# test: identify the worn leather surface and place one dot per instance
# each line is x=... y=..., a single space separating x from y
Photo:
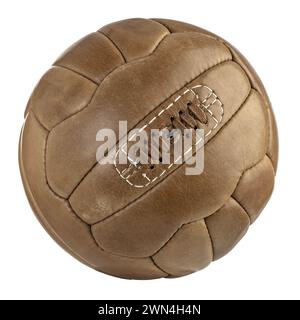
x=130 y=70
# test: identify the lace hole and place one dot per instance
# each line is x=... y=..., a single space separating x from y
x=151 y=166
x=189 y=103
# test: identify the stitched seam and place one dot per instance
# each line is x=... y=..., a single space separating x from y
x=153 y=110
x=272 y=164
x=195 y=221
x=232 y=195
x=140 y=257
x=217 y=122
x=49 y=131
x=265 y=100
x=149 y=190
x=161 y=40
x=38 y=120
x=135 y=60
x=46 y=180
x=45 y=177
x=114 y=44
x=144 y=194
x=113 y=253
x=160 y=268
x=56 y=194
x=98 y=245
x=44 y=160
x=45 y=171
x=245 y=212
x=240 y=204
x=66 y=201
x=178 y=229
x=112 y=71
x=238 y=181
x=161 y=24
x=77 y=72
x=174 y=234
x=242 y=207
x=46 y=145
x=204 y=219
x=80 y=181
x=211 y=242
x=269 y=128
x=75 y=113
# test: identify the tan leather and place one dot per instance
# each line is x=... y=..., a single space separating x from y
x=131 y=70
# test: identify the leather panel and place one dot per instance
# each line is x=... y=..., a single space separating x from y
x=59 y=94
x=94 y=57
x=175 y=200
x=255 y=188
x=226 y=227
x=187 y=251
x=59 y=220
x=145 y=35
x=121 y=96
x=96 y=197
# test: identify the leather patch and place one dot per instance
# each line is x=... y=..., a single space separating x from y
x=198 y=96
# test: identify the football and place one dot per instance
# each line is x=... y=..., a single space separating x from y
x=134 y=219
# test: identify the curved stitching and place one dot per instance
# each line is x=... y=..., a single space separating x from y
x=75 y=71
x=45 y=172
x=217 y=122
x=210 y=239
x=159 y=42
x=197 y=220
x=115 y=45
x=245 y=212
x=144 y=117
x=194 y=221
x=178 y=229
x=270 y=120
x=237 y=183
x=241 y=205
x=67 y=203
x=92 y=236
x=257 y=163
x=174 y=234
x=263 y=94
x=161 y=24
x=39 y=121
x=73 y=211
x=160 y=268
x=105 y=78
x=145 y=193
x=272 y=164
x=75 y=113
x=94 y=93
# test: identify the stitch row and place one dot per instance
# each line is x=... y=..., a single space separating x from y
x=211 y=93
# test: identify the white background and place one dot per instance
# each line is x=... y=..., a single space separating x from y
x=265 y=264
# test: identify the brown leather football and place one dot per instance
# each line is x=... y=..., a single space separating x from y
x=170 y=224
